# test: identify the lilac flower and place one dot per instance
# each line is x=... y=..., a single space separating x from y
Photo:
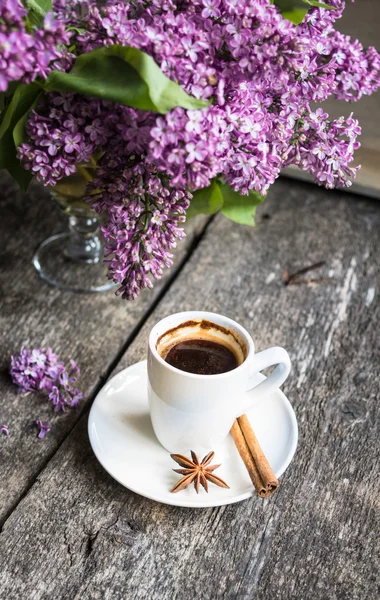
x=55 y=144
x=266 y=71
x=194 y=122
x=35 y=370
x=25 y=54
x=52 y=146
x=142 y=226
x=61 y=397
x=63 y=394
x=43 y=428
x=5 y=430
x=195 y=152
x=41 y=370
x=326 y=149
x=72 y=142
x=211 y=9
x=96 y=131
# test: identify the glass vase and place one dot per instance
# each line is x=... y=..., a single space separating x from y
x=73 y=260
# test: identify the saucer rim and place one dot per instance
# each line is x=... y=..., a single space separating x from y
x=176 y=501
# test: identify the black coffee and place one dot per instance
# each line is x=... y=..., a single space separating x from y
x=203 y=357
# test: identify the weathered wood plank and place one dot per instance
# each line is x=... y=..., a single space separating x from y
x=78 y=534
x=91 y=328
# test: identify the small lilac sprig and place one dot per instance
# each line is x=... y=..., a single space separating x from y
x=5 y=430
x=41 y=370
x=63 y=394
x=43 y=428
x=35 y=370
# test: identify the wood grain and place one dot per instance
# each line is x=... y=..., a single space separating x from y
x=91 y=328
x=80 y=535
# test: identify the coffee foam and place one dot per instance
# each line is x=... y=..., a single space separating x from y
x=202 y=330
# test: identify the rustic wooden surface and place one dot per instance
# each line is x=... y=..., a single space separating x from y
x=77 y=534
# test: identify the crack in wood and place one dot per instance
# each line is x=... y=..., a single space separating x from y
x=70 y=552
x=258 y=553
x=89 y=543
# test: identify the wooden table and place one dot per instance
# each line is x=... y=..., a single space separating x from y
x=70 y=531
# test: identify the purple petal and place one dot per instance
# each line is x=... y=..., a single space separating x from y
x=5 y=430
x=43 y=428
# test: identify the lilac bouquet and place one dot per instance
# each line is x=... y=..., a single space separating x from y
x=183 y=106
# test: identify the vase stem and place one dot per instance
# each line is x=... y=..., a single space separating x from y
x=84 y=244
x=73 y=260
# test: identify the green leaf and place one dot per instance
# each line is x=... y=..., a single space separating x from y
x=79 y=30
x=40 y=6
x=18 y=133
x=23 y=99
x=206 y=201
x=4 y=97
x=296 y=15
x=123 y=75
x=295 y=10
x=220 y=196
x=12 y=130
x=238 y=208
x=318 y=4
x=37 y=10
x=9 y=161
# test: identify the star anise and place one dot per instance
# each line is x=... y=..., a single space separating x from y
x=196 y=472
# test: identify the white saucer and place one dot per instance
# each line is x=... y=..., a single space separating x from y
x=123 y=440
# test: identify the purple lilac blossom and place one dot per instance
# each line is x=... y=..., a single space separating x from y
x=43 y=428
x=261 y=74
x=5 y=430
x=35 y=370
x=144 y=214
x=41 y=370
x=26 y=55
x=66 y=130
x=63 y=394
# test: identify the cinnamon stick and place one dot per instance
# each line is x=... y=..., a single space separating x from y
x=247 y=459
x=268 y=477
x=255 y=461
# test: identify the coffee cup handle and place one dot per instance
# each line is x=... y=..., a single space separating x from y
x=260 y=361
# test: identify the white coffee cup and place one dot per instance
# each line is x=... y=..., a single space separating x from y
x=195 y=412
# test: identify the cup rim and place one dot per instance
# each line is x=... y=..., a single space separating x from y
x=201 y=314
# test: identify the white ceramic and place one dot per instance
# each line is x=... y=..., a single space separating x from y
x=123 y=440
x=197 y=411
